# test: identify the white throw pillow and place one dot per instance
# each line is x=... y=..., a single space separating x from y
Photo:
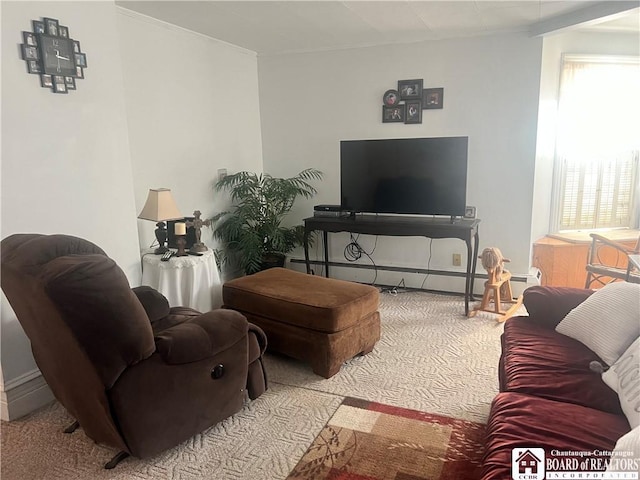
x=624 y=378
x=606 y=322
x=626 y=451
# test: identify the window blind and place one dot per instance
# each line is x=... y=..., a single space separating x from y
x=598 y=194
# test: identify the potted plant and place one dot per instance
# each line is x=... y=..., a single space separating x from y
x=252 y=233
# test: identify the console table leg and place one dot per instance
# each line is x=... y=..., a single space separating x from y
x=305 y=243
x=326 y=253
x=468 y=278
x=475 y=262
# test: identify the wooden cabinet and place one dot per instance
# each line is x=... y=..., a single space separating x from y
x=562 y=262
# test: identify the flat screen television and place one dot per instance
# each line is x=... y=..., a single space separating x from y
x=420 y=176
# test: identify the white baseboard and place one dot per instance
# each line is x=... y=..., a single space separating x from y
x=23 y=395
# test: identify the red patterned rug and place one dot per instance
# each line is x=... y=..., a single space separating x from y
x=370 y=441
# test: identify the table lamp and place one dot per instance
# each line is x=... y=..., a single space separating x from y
x=160 y=206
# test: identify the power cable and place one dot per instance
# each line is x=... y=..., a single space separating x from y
x=353 y=251
x=428 y=264
x=394 y=290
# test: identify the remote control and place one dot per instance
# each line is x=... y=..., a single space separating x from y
x=166 y=256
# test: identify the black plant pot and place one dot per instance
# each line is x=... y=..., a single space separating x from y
x=272 y=260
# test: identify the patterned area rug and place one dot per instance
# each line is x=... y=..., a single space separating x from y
x=371 y=441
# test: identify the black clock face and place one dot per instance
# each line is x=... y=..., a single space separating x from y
x=57 y=55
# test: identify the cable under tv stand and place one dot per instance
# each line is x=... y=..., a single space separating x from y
x=401 y=226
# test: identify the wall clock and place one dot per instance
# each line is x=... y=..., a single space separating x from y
x=51 y=53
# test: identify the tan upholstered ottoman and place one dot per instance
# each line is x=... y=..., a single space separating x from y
x=320 y=320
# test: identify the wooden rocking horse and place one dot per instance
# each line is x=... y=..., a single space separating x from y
x=497 y=288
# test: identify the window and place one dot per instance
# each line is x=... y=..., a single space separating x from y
x=597 y=143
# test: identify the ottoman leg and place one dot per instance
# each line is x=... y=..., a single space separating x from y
x=368 y=349
x=324 y=370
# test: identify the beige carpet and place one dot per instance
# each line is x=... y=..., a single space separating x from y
x=430 y=358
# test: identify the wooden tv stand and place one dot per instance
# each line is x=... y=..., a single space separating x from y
x=399 y=226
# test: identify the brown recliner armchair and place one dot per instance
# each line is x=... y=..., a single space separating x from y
x=137 y=375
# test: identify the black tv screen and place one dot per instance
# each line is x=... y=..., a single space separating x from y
x=422 y=176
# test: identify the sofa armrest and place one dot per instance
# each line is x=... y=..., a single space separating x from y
x=153 y=302
x=201 y=337
x=547 y=306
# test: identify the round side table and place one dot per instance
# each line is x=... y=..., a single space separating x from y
x=189 y=281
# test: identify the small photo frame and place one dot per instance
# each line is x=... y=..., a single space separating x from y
x=29 y=39
x=38 y=26
x=33 y=66
x=432 y=98
x=79 y=72
x=76 y=46
x=393 y=114
x=63 y=31
x=51 y=26
x=390 y=98
x=469 y=212
x=59 y=85
x=410 y=89
x=413 y=111
x=46 y=80
x=70 y=82
x=81 y=60
x=29 y=52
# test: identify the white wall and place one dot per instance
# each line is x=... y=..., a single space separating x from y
x=309 y=102
x=553 y=48
x=160 y=107
x=65 y=158
x=192 y=108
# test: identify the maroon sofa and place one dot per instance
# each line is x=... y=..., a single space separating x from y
x=549 y=396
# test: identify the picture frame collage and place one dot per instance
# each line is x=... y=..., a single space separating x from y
x=49 y=30
x=406 y=103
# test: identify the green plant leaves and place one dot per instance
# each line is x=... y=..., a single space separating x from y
x=253 y=228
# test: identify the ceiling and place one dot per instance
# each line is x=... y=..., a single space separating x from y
x=276 y=27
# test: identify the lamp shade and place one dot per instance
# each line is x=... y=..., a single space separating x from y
x=160 y=206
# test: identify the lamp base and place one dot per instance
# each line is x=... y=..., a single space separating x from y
x=161 y=237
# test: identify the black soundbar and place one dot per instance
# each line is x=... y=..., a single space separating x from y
x=327 y=208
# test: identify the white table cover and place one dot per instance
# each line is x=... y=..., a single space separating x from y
x=190 y=281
